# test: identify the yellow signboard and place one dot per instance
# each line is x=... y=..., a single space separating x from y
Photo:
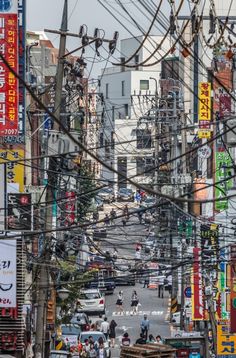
x=226 y=342
x=204 y=134
x=14 y=170
x=204 y=104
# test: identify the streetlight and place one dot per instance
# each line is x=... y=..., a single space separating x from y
x=63 y=293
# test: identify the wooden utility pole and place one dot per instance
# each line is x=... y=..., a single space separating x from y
x=44 y=277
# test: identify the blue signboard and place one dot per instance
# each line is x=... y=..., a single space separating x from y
x=188 y=292
x=5 y=5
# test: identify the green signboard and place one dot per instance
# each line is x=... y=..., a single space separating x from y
x=223 y=171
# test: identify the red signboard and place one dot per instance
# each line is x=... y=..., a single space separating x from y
x=8 y=82
x=70 y=208
x=197 y=287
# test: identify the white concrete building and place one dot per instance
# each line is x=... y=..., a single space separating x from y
x=128 y=95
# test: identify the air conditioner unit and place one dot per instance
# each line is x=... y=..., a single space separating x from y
x=60 y=143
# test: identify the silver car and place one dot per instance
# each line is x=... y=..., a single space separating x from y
x=95 y=336
x=90 y=301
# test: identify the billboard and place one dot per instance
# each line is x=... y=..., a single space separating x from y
x=197 y=287
x=19 y=213
x=7 y=273
x=226 y=342
x=14 y=170
x=9 y=96
x=223 y=163
x=204 y=109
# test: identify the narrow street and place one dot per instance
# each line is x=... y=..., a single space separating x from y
x=124 y=240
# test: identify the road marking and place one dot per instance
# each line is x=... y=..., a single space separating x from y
x=140 y=313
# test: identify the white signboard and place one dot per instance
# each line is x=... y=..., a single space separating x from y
x=7 y=273
x=8 y=6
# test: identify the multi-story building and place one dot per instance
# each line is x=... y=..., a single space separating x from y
x=129 y=93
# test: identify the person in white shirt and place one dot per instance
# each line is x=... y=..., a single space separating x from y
x=105 y=327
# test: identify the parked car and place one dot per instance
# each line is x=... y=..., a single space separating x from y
x=99 y=233
x=125 y=194
x=106 y=285
x=70 y=333
x=82 y=320
x=106 y=194
x=91 y=301
x=96 y=335
x=149 y=202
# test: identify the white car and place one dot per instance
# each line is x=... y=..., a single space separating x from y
x=96 y=335
x=91 y=301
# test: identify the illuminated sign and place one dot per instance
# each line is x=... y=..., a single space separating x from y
x=8 y=82
x=204 y=110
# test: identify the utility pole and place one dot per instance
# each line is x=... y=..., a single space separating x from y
x=60 y=65
x=44 y=276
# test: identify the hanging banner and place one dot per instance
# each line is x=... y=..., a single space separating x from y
x=223 y=162
x=196 y=287
x=233 y=289
x=7 y=273
x=9 y=94
x=204 y=110
x=70 y=208
x=14 y=170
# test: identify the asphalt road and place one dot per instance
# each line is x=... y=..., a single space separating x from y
x=154 y=307
x=124 y=239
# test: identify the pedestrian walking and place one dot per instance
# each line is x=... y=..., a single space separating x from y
x=141 y=339
x=134 y=302
x=151 y=339
x=112 y=332
x=146 y=282
x=137 y=197
x=119 y=302
x=125 y=342
x=112 y=215
x=92 y=352
x=140 y=216
x=126 y=212
x=123 y=221
x=106 y=220
x=159 y=339
x=101 y=353
x=105 y=327
x=145 y=326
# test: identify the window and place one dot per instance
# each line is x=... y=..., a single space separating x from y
x=107 y=90
x=122 y=88
x=112 y=140
x=126 y=109
x=144 y=85
x=136 y=61
x=122 y=60
x=101 y=139
x=113 y=113
x=107 y=149
x=144 y=139
x=144 y=166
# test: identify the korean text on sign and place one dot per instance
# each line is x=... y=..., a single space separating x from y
x=8 y=82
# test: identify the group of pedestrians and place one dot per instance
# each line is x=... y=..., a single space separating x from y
x=110 y=219
x=91 y=349
x=134 y=302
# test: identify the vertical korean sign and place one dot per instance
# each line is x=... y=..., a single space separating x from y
x=197 y=289
x=7 y=273
x=8 y=83
x=233 y=289
x=204 y=110
x=223 y=163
